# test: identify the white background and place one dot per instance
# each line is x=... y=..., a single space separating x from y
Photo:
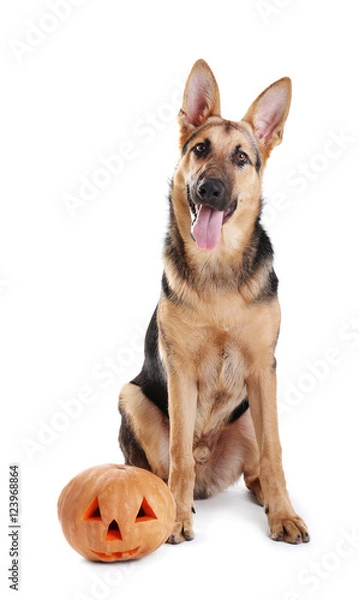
x=77 y=288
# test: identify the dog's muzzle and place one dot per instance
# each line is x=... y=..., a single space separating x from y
x=208 y=203
x=211 y=192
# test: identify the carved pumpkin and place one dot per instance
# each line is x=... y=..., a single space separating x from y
x=116 y=512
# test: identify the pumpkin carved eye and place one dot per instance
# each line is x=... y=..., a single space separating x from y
x=145 y=512
x=92 y=512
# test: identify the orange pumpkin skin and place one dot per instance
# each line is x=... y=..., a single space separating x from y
x=116 y=512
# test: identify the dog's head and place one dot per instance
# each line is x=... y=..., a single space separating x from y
x=222 y=161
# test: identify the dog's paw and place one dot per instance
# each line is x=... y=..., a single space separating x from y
x=182 y=532
x=291 y=529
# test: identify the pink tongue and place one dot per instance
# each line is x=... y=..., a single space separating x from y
x=207 y=228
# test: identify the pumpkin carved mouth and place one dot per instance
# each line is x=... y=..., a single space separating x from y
x=116 y=555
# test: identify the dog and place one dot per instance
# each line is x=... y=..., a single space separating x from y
x=202 y=411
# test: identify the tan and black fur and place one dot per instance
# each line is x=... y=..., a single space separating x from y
x=202 y=412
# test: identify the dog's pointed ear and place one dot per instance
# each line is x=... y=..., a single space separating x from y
x=200 y=99
x=268 y=114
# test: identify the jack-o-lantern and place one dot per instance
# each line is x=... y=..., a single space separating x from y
x=116 y=512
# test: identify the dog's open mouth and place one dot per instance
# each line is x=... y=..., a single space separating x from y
x=207 y=223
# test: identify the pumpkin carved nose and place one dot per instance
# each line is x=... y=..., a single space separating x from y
x=113 y=532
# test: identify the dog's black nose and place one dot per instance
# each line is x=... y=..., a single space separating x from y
x=211 y=192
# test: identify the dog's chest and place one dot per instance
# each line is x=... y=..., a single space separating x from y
x=220 y=378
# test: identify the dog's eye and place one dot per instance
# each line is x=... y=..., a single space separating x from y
x=241 y=158
x=201 y=149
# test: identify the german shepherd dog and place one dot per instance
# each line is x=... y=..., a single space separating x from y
x=203 y=409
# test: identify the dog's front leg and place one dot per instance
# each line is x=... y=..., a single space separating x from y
x=260 y=340
x=284 y=523
x=182 y=391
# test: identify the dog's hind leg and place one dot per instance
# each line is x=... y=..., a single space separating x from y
x=144 y=432
x=132 y=450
